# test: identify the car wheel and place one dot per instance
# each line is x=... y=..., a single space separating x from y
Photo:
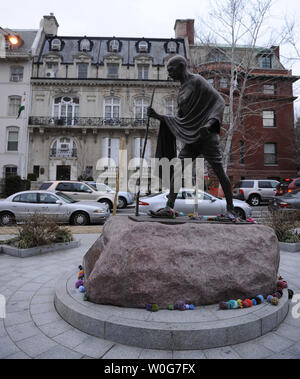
x=80 y=218
x=122 y=203
x=7 y=218
x=240 y=213
x=254 y=200
x=107 y=202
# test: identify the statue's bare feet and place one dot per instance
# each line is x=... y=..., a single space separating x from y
x=230 y=214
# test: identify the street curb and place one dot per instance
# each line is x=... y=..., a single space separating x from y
x=137 y=327
x=24 y=253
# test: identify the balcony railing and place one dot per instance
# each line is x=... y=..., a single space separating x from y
x=89 y=121
x=59 y=153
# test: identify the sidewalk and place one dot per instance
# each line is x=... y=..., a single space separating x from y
x=33 y=329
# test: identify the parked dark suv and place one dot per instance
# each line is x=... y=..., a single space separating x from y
x=254 y=191
x=287 y=185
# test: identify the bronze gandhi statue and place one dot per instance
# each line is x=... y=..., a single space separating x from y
x=197 y=125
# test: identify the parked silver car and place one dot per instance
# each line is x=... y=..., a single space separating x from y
x=208 y=205
x=124 y=198
x=61 y=207
x=288 y=201
x=79 y=191
x=255 y=191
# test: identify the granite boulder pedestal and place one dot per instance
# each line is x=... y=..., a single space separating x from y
x=136 y=263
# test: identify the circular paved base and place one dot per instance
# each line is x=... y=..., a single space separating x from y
x=203 y=328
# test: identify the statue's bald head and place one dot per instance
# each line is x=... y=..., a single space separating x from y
x=178 y=60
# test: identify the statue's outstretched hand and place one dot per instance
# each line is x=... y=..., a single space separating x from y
x=151 y=113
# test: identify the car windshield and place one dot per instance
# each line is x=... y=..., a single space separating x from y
x=45 y=186
x=154 y=194
x=66 y=198
x=102 y=187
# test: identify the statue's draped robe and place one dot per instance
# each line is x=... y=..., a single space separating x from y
x=198 y=102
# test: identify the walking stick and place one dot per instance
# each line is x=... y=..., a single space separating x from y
x=142 y=158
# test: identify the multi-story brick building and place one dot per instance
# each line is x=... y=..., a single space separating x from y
x=263 y=142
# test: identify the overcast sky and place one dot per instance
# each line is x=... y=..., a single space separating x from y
x=128 y=18
x=124 y=18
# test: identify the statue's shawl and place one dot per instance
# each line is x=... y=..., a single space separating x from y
x=198 y=102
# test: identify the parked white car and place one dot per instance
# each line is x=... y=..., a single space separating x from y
x=208 y=205
x=79 y=191
x=62 y=208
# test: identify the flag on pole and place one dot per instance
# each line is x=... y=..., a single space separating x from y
x=22 y=106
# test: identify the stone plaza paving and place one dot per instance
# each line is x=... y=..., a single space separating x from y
x=33 y=329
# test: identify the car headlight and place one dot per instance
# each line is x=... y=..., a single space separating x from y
x=99 y=211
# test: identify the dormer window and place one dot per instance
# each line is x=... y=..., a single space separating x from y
x=114 y=46
x=266 y=61
x=143 y=47
x=172 y=47
x=216 y=55
x=56 y=44
x=85 y=45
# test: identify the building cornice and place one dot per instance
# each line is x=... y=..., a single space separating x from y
x=103 y=82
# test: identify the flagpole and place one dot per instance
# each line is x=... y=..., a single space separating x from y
x=22 y=155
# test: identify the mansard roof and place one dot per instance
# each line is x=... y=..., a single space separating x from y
x=128 y=48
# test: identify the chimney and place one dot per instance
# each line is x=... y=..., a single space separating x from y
x=185 y=28
x=50 y=24
x=276 y=51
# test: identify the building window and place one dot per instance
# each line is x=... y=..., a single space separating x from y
x=82 y=69
x=216 y=55
x=143 y=47
x=85 y=45
x=269 y=89
x=63 y=147
x=270 y=154
x=211 y=81
x=265 y=61
x=14 y=103
x=89 y=171
x=242 y=152
x=140 y=109
x=112 y=70
x=138 y=149
x=51 y=70
x=12 y=140
x=143 y=71
x=110 y=150
x=269 y=119
x=114 y=46
x=56 y=44
x=66 y=110
x=112 y=108
x=16 y=73
x=226 y=115
x=10 y=171
x=170 y=107
x=172 y=47
x=223 y=82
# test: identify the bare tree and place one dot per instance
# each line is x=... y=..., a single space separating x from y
x=231 y=34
